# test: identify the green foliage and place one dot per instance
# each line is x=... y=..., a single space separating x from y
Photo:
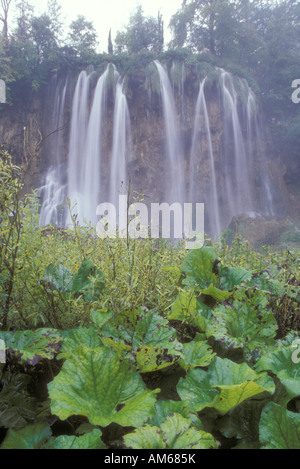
x=141 y=34
x=96 y=384
x=224 y=386
x=279 y=362
x=17 y=407
x=30 y=347
x=173 y=350
x=175 y=432
x=198 y=268
x=279 y=428
x=82 y=37
x=247 y=324
x=33 y=436
x=87 y=441
x=146 y=337
x=197 y=353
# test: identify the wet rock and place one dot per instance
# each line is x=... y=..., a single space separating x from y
x=265 y=231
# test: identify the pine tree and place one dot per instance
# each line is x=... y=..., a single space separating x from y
x=110 y=44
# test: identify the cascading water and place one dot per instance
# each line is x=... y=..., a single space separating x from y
x=221 y=164
x=235 y=161
x=121 y=146
x=85 y=150
x=77 y=142
x=230 y=190
x=53 y=192
x=202 y=124
x=175 y=178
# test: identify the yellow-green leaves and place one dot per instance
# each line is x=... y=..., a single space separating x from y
x=31 y=347
x=146 y=339
x=175 y=432
x=97 y=385
x=197 y=353
x=247 y=324
x=224 y=386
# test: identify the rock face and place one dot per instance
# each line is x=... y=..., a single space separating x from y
x=262 y=231
x=231 y=171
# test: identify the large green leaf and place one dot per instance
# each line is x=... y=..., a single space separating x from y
x=100 y=318
x=97 y=385
x=90 y=440
x=146 y=437
x=33 y=436
x=246 y=325
x=175 y=432
x=17 y=407
x=57 y=277
x=186 y=309
x=224 y=386
x=216 y=293
x=165 y=408
x=72 y=338
x=31 y=347
x=242 y=422
x=196 y=353
x=198 y=268
x=148 y=340
x=89 y=281
x=231 y=277
x=279 y=428
x=281 y=364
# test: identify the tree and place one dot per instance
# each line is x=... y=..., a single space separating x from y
x=82 y=36
x=110 y=44
x=43 y=37
x=205 y=24
x=54 y=13
x=24 y=18
x=5 y=4
x=142 y=33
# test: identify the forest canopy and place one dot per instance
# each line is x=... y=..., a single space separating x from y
x=258 y=39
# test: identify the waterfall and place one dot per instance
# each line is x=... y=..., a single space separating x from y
x=220 y=163
x=83 y=181
x=234 y=154
x=225 y=181
x=121 y=145
x=53 y=192
x=175 y=179
x=202 y=124
x=77 y=140
x=85 y=149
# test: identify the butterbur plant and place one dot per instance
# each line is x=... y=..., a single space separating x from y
x=147 y=346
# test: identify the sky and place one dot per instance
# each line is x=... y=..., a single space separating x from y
x=106 y=14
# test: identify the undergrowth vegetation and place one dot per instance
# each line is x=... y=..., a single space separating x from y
x=140 y=343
